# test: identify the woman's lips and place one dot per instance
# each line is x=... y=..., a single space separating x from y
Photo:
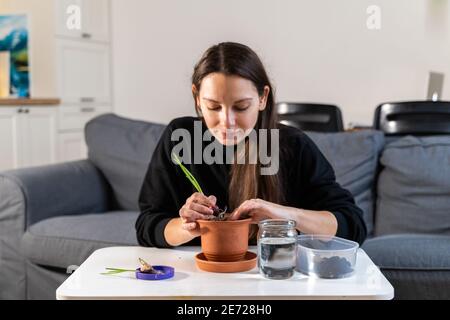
x=228 y=134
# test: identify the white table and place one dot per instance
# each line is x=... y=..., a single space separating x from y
x=190 y=282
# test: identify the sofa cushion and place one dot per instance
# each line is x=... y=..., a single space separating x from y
x=122 y=149
x=409 y=251
x=418 y=266
x=414 y=187
x=69 y=240
x=354 y=157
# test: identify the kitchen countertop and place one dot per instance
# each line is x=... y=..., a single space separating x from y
x=29 y=102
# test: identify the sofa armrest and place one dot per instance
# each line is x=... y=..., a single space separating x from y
x=33 y=194
x=55 y=190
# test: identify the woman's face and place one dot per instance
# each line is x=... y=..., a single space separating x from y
x=230 y=106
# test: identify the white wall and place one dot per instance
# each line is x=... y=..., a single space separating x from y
x=41 y=45
x=316 y=51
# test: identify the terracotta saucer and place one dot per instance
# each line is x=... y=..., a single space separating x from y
x=247 y=263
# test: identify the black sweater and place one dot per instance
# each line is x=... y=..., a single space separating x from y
x=308 y=181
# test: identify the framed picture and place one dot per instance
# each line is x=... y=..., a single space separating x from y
x=14 y=47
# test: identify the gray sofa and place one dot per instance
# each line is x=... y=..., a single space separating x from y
x=55 y=216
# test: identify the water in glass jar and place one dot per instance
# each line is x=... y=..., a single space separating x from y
x=277 y=257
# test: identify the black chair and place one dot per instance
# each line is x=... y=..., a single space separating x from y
x=311 y=116
x=414 y=117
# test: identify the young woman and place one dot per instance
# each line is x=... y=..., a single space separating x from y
x=232 y=95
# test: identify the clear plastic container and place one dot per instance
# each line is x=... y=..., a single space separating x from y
x=326 y=257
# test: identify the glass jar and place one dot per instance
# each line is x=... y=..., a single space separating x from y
x=277 y=248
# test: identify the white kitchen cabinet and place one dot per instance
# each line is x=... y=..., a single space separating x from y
x=40 y=135
x=76 y=117
x=96 y=24
x=83 y=72
x=64 y=11
x=71 y=139
x=94 y=18
x=28 y=136
x=38 y=128
x=71 y=146
x=8 y=138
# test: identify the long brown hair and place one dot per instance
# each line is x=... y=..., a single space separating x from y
x=236 y=59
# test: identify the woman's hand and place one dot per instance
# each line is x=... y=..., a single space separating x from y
x=257 y=210
x=307 y=221
x=197 y=206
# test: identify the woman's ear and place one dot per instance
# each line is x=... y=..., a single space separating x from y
x=263 y=98
x=195 y=94
x=197 y=101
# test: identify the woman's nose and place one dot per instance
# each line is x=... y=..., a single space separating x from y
x=228 y=118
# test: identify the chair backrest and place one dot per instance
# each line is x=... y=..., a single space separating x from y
x=413 y=117
x=311 y=116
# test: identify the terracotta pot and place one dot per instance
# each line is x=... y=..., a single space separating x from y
x=224 y=240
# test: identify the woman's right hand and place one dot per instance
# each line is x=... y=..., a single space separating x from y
x=197 y=207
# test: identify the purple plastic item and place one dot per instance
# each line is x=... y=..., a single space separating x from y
x=168 y=272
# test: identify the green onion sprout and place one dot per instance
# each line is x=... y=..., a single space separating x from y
x=187 y=173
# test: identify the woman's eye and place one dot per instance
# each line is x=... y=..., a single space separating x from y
x=241 y=108
x=214 y=108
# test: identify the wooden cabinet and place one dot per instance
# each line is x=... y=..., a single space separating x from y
x=28 y=136
x=94 y=19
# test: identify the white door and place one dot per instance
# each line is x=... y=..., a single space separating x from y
x=71 y=146
x=37 y=126
x=8 y=138
x=83 y=72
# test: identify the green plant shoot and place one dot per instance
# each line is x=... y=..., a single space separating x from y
x=187 y=173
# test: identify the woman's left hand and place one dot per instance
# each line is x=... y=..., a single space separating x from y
x=257 y=210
